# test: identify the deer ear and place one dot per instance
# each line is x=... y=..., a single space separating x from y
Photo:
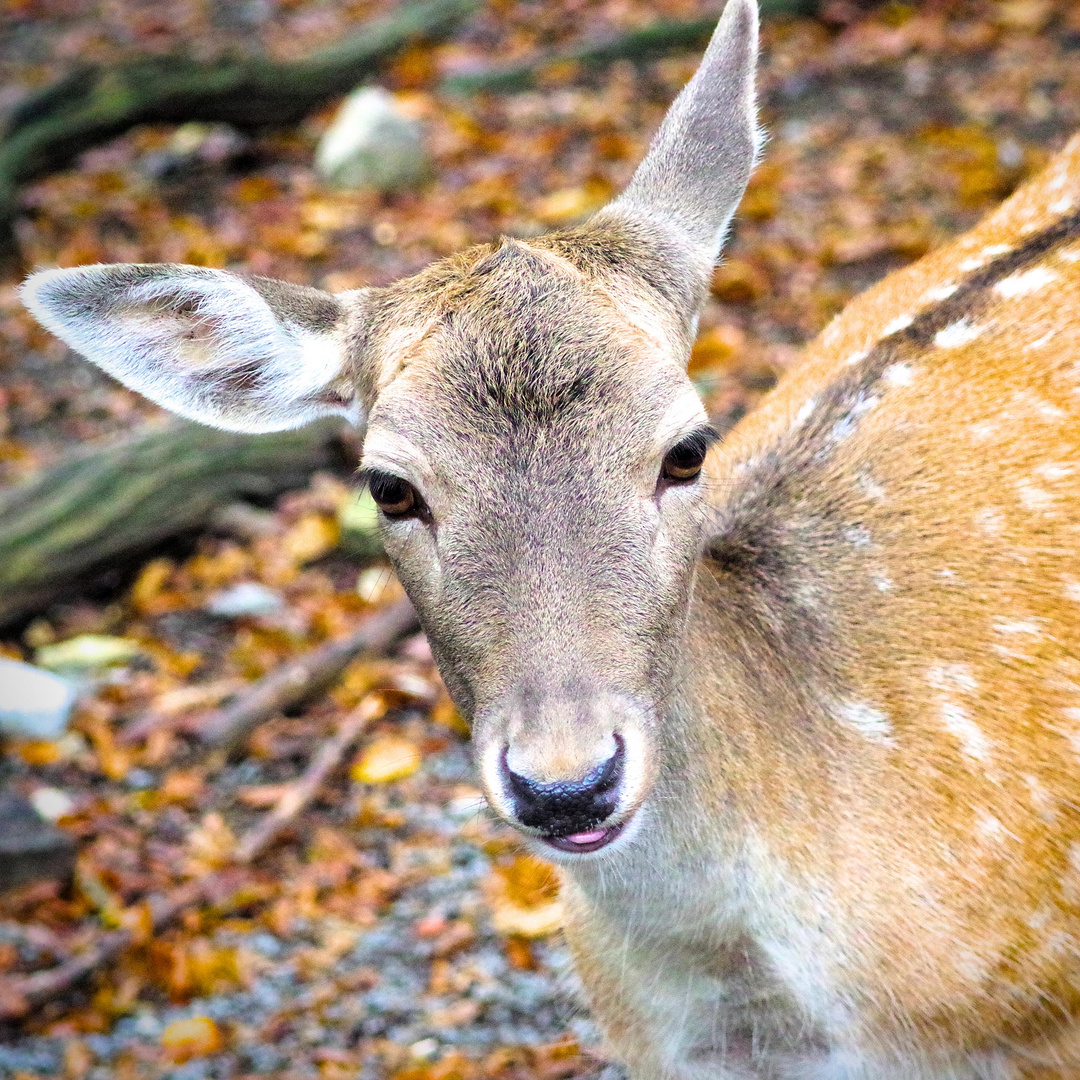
x=696 y=170
x=246 y=354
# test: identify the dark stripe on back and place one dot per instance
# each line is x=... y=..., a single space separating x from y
x=751 y=538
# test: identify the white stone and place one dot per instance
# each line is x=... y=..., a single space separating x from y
x=52 y=803
x=34 y=704
x=371 y=143
x=245 y=598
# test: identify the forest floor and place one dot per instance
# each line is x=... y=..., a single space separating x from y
x=396 y=930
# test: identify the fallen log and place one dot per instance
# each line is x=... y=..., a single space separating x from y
x=93 y=104
x=646 y=43
x=106 y=503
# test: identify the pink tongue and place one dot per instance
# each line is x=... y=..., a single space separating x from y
x=586 y=837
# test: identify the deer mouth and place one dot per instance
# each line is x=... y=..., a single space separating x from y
x=584 y=842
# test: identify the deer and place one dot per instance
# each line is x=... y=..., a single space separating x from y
x=796 y=712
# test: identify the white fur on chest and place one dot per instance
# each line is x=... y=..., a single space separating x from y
x=733 y=969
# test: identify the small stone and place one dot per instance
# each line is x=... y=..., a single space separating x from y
x=372 y=144
x=87 y=653
x=387 y=759
x=34 y=704
x=246 y=598
x=424 y=1050
x=52 y=803
x=197 y=1036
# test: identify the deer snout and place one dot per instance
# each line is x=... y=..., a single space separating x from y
x=571 y=778
x=574 y=811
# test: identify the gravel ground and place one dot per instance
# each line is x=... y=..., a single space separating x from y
x=329 y=989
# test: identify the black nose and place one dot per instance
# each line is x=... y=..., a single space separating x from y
x=567 y=806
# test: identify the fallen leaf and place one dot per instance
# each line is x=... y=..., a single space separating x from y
x=388 y=758
x=523 y=896
x=197 y=1036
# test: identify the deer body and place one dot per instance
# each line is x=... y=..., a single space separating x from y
x=884 y=877
x=799 y=715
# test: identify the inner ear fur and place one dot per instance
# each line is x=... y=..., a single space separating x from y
x=237 y=352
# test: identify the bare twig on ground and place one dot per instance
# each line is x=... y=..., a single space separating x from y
x=300 y=793
x=301 y=679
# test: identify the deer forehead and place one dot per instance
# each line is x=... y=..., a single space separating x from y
x=522 y=347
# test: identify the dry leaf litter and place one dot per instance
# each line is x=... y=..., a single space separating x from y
x=396 y=930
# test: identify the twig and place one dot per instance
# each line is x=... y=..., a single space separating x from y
x=19 y=995
x=301 y=679
x=300 y=793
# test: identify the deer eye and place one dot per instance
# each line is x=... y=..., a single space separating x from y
x=683 y=461
x=395 y=497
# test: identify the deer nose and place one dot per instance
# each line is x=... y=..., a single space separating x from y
x=566 y=807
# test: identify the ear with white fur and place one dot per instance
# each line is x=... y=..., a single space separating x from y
x=697 y=168
x=245 y=354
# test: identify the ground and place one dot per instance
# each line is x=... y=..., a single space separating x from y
x=394 y=929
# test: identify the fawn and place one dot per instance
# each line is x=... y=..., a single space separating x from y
x=799 y=712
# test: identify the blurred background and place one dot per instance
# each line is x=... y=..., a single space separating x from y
x=179 y=903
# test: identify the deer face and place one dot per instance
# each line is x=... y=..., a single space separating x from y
x=537 y=457
x=531 y=438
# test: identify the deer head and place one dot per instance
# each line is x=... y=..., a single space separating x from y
x=532 y=439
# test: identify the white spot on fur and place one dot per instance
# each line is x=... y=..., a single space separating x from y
x=991 y=251
x=956 y=334
x=1062 y=206
x=973 y=743
x=952 y=677
x=1038 y=343
x=950 y=680
x=845 y=426
x=1070 y=255
x=857 y=536
x=883 y=582
x=901 y=322
x=983 y=430
x=990 y=520
x=1018 y=626
x=947 y=574
x=899 y=374
x=942 y=292
x=1072 y=591
x=1043 y=802
x=1035 y=404
x=1054 y=471
x=868 y=721
x=990 y=826
x=1038 y=919
x=856 y=357
x=870 y=487
x=1025 y=282
x=972 y=264
x=803 y=414
x=1032 y=497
